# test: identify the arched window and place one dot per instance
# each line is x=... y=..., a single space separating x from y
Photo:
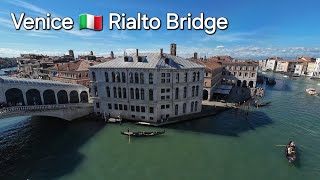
x=198 y=76
x=113 y=77
x=137 y=93
x=119 y=93
x=193 y=91
x=108 y=91
x=131 y=93
x=14 y=97
x=114 y=92
x=131 y=77
x=197 y=90
x=192 y=104
x=186 y=77
x=185 y=92
x=93 y=76
x=177 y=93
x=194 y=76
x=118 y=77
x=142 y=94
x=123 y=77
x=95 y=90
x=177 y=77
x=150 y=94
x=106 y=76
x=150 y=78
x=184 y=108
x=176 y=109
x=136 y=77
x=124 y=91
x=141 y=78
x=196 y=106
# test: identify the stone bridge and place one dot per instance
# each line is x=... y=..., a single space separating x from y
x=43 y=98
x=62 y=111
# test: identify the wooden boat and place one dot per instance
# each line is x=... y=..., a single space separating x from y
x=293 y=156
x=142 y=133
x=271 y=81
x=260 y=104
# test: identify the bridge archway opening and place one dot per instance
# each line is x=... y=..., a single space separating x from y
x=62 y=97
x=74 y=97
x=14 y=97
x=84 y=97
x=49 y=97
x=33 y=97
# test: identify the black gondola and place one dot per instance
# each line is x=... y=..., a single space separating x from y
x=293 y=156
x=271 y=81
x=142 y=133
x=260 y=104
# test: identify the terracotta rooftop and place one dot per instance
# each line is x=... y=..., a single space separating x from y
x=210 y=65
x=80 y=65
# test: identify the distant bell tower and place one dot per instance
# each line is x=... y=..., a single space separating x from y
x=71 y=53
x=173 y=49
x=91 y=52
x=195 y=55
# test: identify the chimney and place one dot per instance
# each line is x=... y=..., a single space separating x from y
x=137 y=52
x=112 y=55
x=173 y=49
x=161 y=52
x=91 y=52
x=195 y=55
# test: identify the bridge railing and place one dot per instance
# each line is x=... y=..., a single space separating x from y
x=15 y=109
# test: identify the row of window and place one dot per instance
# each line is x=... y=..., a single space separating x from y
x=243 y=68
x=140 y=93
x=138 y=78
x=239 y=74
x=193 y=107
x=132 y=108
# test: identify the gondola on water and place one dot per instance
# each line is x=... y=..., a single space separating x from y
x=261 y=104
x=290 y=152
x=142 y=133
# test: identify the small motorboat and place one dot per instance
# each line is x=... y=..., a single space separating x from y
x=142 y=133
x=290 y=152
x=285 y=76
x=114 y=120
x=312 y=91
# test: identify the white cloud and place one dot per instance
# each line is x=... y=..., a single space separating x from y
x=220 y=47
x=228 y=37
x=183 y=51
x=28 y=6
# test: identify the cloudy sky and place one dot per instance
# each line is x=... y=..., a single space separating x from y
x=257 y=29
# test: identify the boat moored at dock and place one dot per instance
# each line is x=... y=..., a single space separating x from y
x=142 y=133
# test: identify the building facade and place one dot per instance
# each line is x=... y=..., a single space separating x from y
x=241 y=74
x=282 y=66
x=316 y=73
x=152 y=87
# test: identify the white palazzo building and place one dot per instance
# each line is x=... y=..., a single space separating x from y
x=151 y=87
